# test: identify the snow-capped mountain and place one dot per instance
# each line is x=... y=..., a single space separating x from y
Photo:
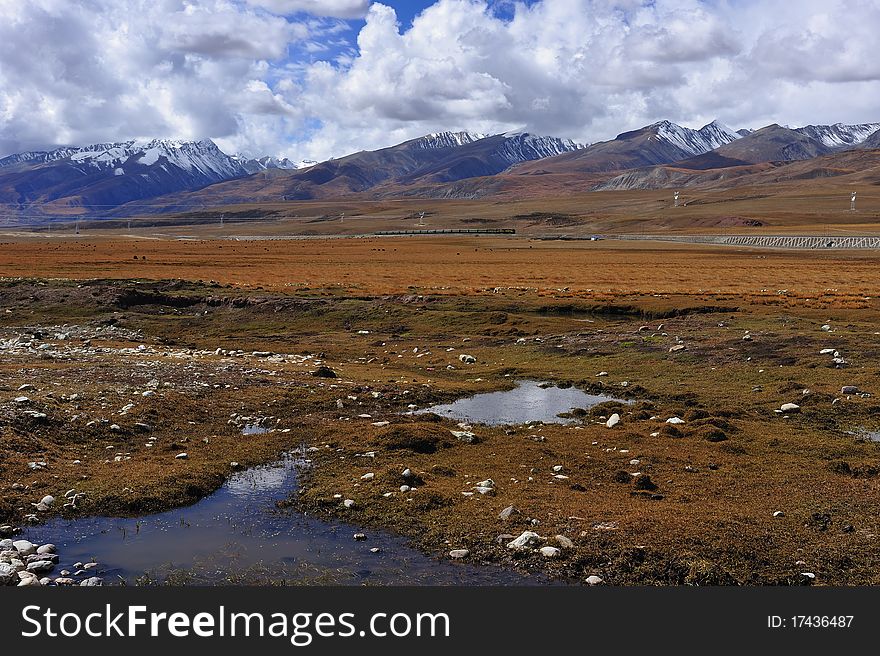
x=659 y=143
x=447 y=139
x=435 y=158
x=694 y=142
x=524 y=147
x=252 y=165
x=39 y=156
x=199 y=157
x=840 y=135
x=109 y=174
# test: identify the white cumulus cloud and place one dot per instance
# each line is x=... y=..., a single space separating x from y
x=298 y=78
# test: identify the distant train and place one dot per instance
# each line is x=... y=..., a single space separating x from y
x=462 y=231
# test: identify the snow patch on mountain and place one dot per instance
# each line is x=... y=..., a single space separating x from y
x=202 y=158
x=694 y=142
x=840 y=135
x=524 y=147
x=252 y=165
x=447 y=139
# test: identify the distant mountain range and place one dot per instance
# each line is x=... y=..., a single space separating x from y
x=773 y=143
x=160 y=175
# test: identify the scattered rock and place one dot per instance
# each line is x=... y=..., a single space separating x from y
x=849 y=389
x=594 y=580
x=40 y=566
x=508 y=513
x=369 y=476
x=675 y=420
x=8 y=574
x=550 y=552
x=24 y=547
x=613 y=420
x=779 y=513
x=181 y=456
x=790 y=407
x=464 y=436
x=324 y=372
x=564 y=542
x=467 y=359
x=28 y=579
x=360 y=537
x=644 y=482
x=526 y=539
x=92 y=582
x=348 y=503
x=459 y=553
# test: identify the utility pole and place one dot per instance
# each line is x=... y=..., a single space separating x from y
x=675 y=197
x=852 y=202
x=421 y=219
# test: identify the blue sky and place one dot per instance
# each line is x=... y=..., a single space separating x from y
x=313 y=79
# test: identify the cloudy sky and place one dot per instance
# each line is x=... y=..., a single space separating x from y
x=313 y=79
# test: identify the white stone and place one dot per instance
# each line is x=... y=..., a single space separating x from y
x=8 y=574
x=24 y=547
x=790 y=407
x=40 y=566
x=594 y=580
x=526 y=539
x=459 y=553
x=348 y=503
x=369 y=476
x=613 y=420
x=181 y=456
x=550 y=552
x=675 y=420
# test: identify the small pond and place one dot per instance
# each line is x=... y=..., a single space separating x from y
x=529 y=401
x=237 y=534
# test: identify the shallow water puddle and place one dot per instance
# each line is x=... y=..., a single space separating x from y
x=238 y=531
x=529 y=401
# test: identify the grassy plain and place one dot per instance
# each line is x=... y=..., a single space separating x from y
x=556 y=311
